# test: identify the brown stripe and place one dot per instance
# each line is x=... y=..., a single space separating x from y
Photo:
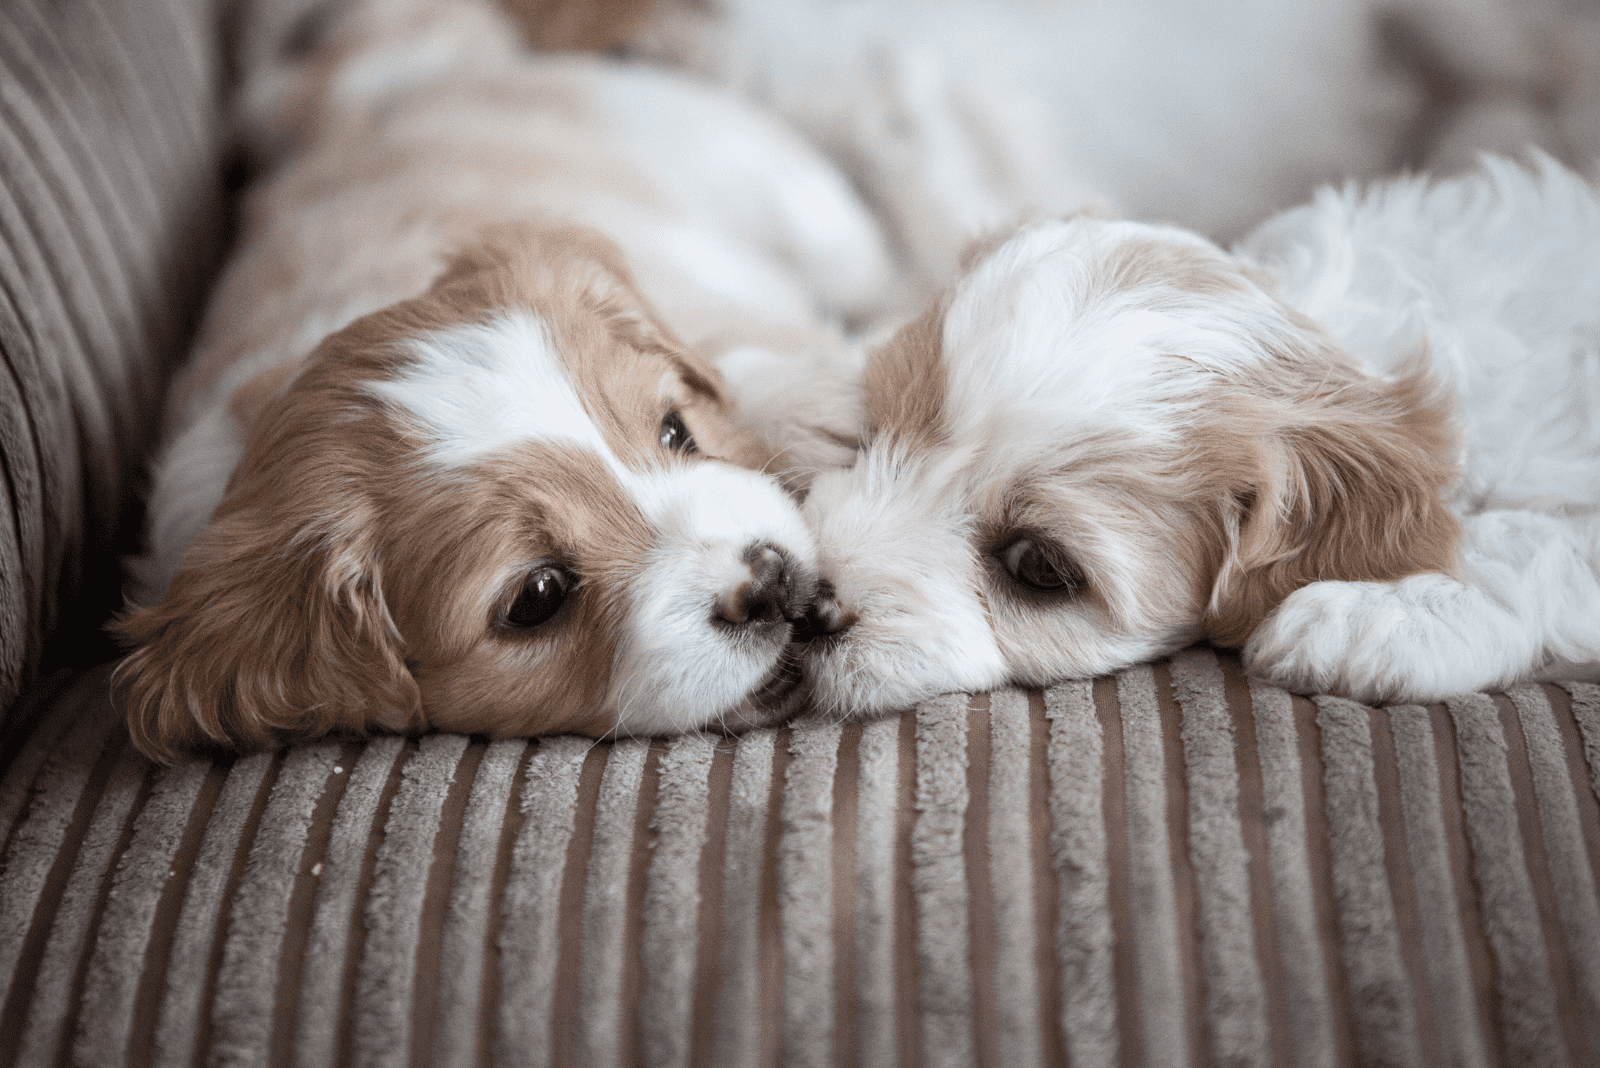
x=1380 y=994
x=846 y=874
x=302 y=905
x=40 y=855
x=1018 y=1028
x=1571 y=870
x=1300 y=974
x=183 y=1029
x=1458 y=1030
x=715 y=916
x=628 y=1022
x=878 y=772
x=1235 y=1001
x=1480 y=960
x=1584 y=799
x=327 y=975
x=528 y=940
x=385 y=980
x=740 y=1001
x=979 y=864
x=1527 y=1023
x=242 y=1008
x=938 y=879
x=1402 y=889
x=908 y=965
x=164 y=925
x=59 y=979
x=669 y=936
x=605 y=903
x=804 y=894
x=1114 y=803
x=1252 y=819
x=437 y=899
x=1077 y=844
x=494 y=920
x=1531 y=817
x=567 y=1009
x=1165 y=989
x=33 y=750
x=771 y=961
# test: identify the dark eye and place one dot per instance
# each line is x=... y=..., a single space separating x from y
x=675 y=436
x=1029 y=564
x=542 y=595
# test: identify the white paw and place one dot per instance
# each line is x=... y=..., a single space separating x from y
x=1417 y=640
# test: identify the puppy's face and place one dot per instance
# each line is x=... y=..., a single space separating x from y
x=1107 y=441
x=510 y=506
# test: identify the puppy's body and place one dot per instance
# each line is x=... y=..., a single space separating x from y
x=379 y=473
x=1111 y=439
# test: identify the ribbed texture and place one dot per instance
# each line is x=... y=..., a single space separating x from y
x=1178 y=866
x=109 y=210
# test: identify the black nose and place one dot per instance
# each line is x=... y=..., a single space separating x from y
x=825 y=617
x=772 y=593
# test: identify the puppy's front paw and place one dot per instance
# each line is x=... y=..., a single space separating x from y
x=1374 y=642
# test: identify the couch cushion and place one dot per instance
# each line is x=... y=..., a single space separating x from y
x=108 y=214
x=1172 y=866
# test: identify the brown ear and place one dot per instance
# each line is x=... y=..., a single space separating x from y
x=1349 y=484
x=258 y=643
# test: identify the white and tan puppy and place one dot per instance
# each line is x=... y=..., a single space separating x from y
x=441 y=459
x=1364 y=447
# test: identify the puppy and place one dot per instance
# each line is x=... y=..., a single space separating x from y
x=1363 y=446
x=441 y=459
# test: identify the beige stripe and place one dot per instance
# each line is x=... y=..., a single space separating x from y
x=670 y=931
x=1586 y=710
x=1283 y=797
x=1510 y=913
x=528 y=940
x=392 y=915
x=1162 y=1012
x=319 y=1017
x=1016 y=980
x=461 y=949
x=40 y=837
x=1078 y=844
x=242 y=1007
x=805 y=894
x=1235 y=1000
x=877 y=813
x=112 y=982
x=179 y=1027
x=738 y=1006
x=1571 y=876
x=1380 y=995
x=53 y=1001
x=939 y=881
x=605 y=905
x=1455 y=1003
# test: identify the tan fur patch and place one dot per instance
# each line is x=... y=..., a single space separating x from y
x=905 y=382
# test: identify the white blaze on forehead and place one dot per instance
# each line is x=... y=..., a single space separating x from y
x=481 y=387
x=1037 y=332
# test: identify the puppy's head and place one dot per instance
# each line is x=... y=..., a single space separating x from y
x=509 y=506
x=1108 y=440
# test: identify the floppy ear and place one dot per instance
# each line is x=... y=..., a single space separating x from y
x=1349 y=484
x=258 y=643
x=584 y=25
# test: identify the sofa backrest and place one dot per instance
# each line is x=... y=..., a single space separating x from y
x=110 y=214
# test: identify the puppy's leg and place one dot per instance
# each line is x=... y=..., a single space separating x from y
x=1528 y=608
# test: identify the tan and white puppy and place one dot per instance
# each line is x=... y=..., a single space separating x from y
x=1363 y=447
x=441 y=459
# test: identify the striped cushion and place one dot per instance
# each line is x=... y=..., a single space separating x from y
x=109 y=194
x=1172 y=866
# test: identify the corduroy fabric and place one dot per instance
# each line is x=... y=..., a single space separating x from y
x=1080 y=876
x=109 y=214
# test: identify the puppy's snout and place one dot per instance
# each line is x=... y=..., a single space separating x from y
x=773 y=592
x=825 y=616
